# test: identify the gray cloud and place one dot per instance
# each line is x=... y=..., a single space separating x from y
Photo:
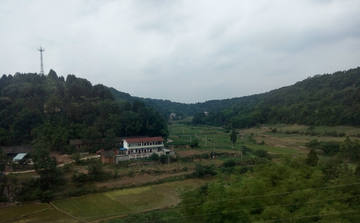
x=186 y=51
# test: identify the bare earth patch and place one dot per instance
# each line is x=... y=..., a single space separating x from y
x=60 y=159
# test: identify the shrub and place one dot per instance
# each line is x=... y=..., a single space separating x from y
x=261 y=153
x=163 y=158
x=229 y=163
x=68 y=168
x=154 y=157
x=194 y=143
x=80 y=179
x=341 y=134
x=131 y=173
x=205 y=156
x=76 y=157
x=201 y=170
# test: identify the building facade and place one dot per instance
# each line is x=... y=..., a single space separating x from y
x=137 y=148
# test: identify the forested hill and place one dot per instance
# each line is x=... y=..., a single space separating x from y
x=54 y=110
x=165 y=107
x=329 y=99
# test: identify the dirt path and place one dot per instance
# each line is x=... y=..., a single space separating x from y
x=60 y=165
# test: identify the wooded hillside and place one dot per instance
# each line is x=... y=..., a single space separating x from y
x=36 y=106
x=329 y=99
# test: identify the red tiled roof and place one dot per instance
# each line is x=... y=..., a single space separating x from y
x=147 y=139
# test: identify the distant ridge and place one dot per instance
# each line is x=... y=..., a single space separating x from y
x=328 y=99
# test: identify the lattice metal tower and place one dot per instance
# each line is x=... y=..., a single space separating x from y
x=41 y=60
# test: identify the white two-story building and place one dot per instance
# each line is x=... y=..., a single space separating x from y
x=136 y=148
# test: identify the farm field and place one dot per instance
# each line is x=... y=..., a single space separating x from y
x=119 y=202
x=95 y=207
x=217 y=139
x=34 y=213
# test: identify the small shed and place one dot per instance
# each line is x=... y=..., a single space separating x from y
x=19 y=157
x=107 y=156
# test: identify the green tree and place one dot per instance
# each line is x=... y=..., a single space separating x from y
x=233 y=137
x=350 y=150
x=110 y=139
x=163 y=158
x=262 y=153
x=312 y=158
x=50 y=176
x=154 y=157
x=357 y=170
x=194 y=143
x=3 y=159
x=96 y=171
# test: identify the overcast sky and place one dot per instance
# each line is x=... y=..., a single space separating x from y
x=183 y=51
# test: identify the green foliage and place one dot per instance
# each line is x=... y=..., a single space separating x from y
x=163 y=158
x=154 y=157
x=329 y=148
x=36 y=106
x=312 y=158
x=276 y=192
x=81 y=179
x=50 y=177
x=229 y=163
x=329 y=99
x=350 y=150
x=3 y=159
x=96 y=171
x=194 y=143
x=201 y=170
x=76 y=157
x=110 y=142
x=261 y=153
x=233 y=137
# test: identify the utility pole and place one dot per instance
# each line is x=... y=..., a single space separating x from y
x=41 y=60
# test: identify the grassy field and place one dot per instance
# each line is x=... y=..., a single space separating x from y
x=34 y=213
x=95 y=207
x=116 y=203
x=216 y=139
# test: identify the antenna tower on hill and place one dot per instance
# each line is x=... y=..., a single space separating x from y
x=41 y=60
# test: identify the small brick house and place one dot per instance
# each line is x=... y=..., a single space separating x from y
x=107 y=156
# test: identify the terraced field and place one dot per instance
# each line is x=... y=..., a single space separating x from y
x=34 y=213
x=116 y=203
